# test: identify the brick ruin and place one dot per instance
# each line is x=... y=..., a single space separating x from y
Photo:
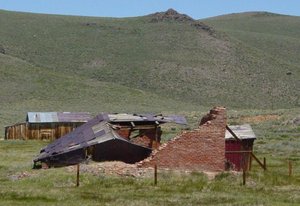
x=200 y=149
x=136 y=141
x=149 y=138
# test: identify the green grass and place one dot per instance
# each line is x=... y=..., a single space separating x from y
x=57 y=186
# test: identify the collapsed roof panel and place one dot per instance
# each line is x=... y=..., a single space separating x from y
x=146 y=118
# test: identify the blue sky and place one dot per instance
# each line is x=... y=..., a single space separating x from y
x=127 y=8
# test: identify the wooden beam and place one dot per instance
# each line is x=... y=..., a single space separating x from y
x=250 y=163
x=156 y=139
x=258 y=161
x=233 y=134
x=136 y=127
x=242 y=151
x=77 y=176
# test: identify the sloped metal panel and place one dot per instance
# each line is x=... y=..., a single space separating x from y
x=51 y=117
x=73 y=116
x=42 y=117
x=242 y=131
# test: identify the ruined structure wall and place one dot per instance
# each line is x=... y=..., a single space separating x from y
x=147 y=137
x=201 y=149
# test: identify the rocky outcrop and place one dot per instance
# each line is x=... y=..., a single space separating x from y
x=170 y=15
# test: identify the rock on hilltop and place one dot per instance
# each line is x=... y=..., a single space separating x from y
x=170 y=15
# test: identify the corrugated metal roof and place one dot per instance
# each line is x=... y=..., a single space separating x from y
x=50 y=117
x=242 y=131
x=73 y=116
x=39 y=117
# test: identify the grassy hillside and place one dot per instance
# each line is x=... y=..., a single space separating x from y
x=276 y=35
x=54 y=63
x=25 y=87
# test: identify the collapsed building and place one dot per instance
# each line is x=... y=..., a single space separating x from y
x=107 y=137
x=136 y=139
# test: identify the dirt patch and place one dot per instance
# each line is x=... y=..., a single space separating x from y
x=114 y=168
x=260 y=118
x=121 y=169
x=170 y=15
x=19 y=176
x=295 y=121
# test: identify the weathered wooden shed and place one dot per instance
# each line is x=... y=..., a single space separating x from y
x=46 y=125
x=239 y=146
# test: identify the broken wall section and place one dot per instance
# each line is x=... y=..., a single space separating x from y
x=201 y=149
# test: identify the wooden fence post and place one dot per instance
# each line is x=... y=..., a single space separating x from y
x=290 y=168
x=244 y=176
x=155 y=174
x=77 y=176
x=250 y=162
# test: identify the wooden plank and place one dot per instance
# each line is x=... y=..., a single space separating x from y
x=258 y=161
x=136 y=127
x=241 y=151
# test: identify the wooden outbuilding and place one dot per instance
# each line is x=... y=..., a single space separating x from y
x=46 y=125
x=239 y=141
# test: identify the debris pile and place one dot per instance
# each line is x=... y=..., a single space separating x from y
x=20 y=176
x=113 y=168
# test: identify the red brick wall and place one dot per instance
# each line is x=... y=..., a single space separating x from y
x=147 y=138
x=201 y=149
x=124 y=133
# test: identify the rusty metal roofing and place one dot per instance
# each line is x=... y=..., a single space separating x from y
x=50 y=117
x=242 y=131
